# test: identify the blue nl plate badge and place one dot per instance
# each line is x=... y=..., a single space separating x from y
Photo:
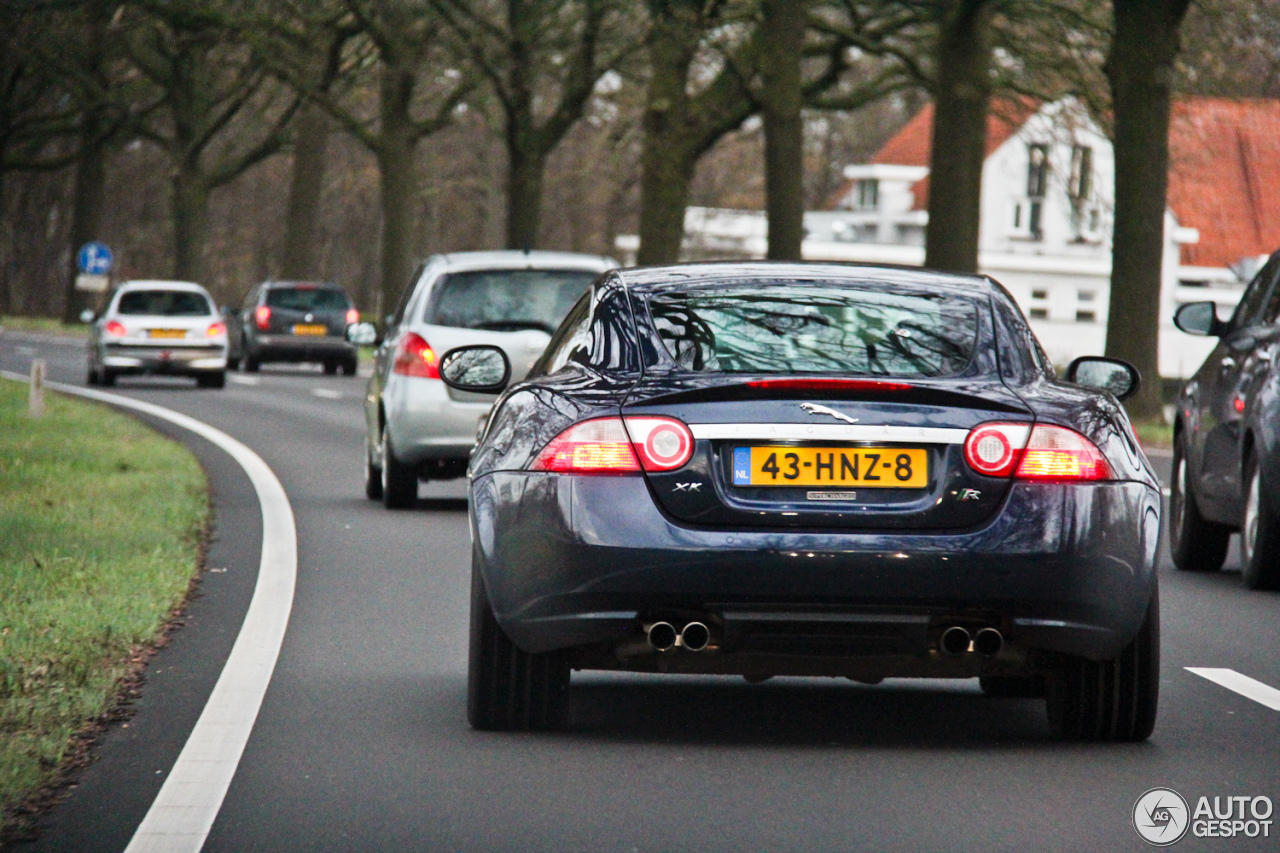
x=742 y=466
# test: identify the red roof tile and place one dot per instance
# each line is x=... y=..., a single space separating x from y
x=1224 y=177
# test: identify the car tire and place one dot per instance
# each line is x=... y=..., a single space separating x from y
x=233 y=364
x=1112 y=700
x=509 y=689
x=212 y=380
x=372 y=478
x=349 y=367
x=92 y=377
x=1012 y=686
x=399 y=481
x=108 y=377
x=251 y=364
x=1198 y=545
x=330 y=368
x=1260 y=536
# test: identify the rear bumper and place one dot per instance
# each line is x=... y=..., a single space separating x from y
x=571 y=561
x=299 y=348
x=424 y=423
x=175 y=360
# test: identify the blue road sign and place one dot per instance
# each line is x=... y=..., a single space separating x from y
x=94 y=258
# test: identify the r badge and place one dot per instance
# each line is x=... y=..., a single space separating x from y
x=970 y=495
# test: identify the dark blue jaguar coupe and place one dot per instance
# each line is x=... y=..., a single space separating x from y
x=767 y=469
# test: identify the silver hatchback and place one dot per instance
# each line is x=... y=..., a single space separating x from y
x=159 y=327
x=419 y=429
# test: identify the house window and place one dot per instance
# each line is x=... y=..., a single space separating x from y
x=1037 y=170
x=1033 y=220
x=1039 y=313
x=1081 y=182
x=868 y=194
x=1039 y=294
x=1086 y=295
x=1086 y=317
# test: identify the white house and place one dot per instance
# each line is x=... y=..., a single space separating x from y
x=1047 y=207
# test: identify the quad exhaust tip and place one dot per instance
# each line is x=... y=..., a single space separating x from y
x=988 y=642
x=955 y=641
x=662 y=636
x=695 y=636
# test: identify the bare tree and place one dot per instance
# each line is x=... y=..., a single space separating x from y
x=1144 y=48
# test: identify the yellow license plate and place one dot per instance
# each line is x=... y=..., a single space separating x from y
x=866 y=467
x=166 y=333
x=301 y=329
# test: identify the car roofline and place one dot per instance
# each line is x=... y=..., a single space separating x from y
x=716 y=272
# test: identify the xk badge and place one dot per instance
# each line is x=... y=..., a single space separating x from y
x=688 y=487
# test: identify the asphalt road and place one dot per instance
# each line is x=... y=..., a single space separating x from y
x=362 y=742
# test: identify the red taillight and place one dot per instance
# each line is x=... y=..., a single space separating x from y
x=608 y=446
x=262 y=316
x=353 y=316
x=116 y=330
x=993 y=449
x=216 y=330
x=663 y=444
x=599 y=446
x=833 y=384
x=1057 y=453
x=414 y=357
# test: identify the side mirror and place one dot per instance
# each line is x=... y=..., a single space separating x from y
x=362 y=334
x=480 y=369
x=87 y=316
x=1199 y=318
x=1106 y=374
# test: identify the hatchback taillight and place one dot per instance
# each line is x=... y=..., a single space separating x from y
x=216 y=330
x=353 y=316
x=115 y=329
x=262 y=316
x=415 y=357
x=608 y=446
x=1042 y=452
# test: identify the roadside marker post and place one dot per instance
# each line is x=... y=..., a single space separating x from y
x=35 y=391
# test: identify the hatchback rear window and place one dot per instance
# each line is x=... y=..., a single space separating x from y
x=507 y=300
x=164 y=303
x=816 y=328
x=308 y=299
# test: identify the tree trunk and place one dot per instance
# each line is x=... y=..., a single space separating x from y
x=524 y=193
x=397 y=176
x=300 y=261
x=962 y=94
x=190 y=223
x=785 y=21
x=86 y=213
x=1140 y=70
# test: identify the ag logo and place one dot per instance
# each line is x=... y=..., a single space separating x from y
x=1160 y=816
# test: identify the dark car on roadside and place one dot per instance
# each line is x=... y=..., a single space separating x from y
x=1226 y=451
x=294 y=321
x=762 y=469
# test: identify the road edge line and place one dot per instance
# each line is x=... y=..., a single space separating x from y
x=182 y=814
x=1250 y=688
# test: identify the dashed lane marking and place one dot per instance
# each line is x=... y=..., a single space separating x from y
x=1263 y=694
x=327 y=393
x=244 y=380
x=183 y=812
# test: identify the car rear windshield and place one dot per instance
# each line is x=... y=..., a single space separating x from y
x=164 y=303
x=507 y=300
x=308 y=299
x=816 y=328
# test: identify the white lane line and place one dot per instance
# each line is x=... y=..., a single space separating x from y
x=183 y=812
x=244 y=380
x=327 y=394
x=1263 y=694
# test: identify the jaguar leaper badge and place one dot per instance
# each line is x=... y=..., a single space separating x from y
x=819 y=409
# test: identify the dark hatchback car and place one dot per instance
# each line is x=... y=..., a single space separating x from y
x=1226 y=474
x=295 y=322
x=811 y=469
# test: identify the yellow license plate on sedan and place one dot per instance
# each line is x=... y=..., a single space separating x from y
x=317 y=329
x=166 y=333
x=865 y=467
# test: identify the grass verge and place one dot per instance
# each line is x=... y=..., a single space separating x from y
x=1154 y=433
x=47 y=325
x=101 y=528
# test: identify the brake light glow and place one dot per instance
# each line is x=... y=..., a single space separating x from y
x=599 y=446
x=353 y=316
x=216 y=330
x=415 y=357
x=817 y=384
x=993 y=449
x=663 y=444
x=115 y=329
x=262 y=316
x=1057 y=453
